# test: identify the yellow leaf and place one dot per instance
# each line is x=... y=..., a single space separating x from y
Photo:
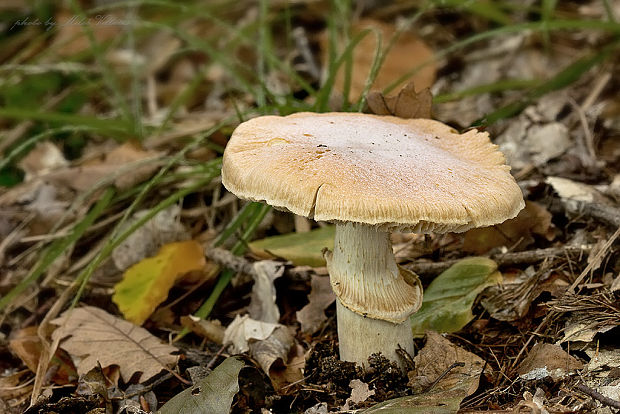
x=146 y=284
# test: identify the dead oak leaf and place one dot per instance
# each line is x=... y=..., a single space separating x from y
x=407 y=104
x=91 y=335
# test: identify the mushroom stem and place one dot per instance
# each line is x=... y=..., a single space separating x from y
x=375 y=296
x=359 y=337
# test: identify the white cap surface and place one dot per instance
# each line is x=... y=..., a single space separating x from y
x=397 y=174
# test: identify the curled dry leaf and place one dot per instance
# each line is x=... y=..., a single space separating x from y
x=211 y=330
x=407 y=104
x=267 y=342
x=244 y=329
x=312 y=316
x=91 y=335
x=535 y=403
x=272 y=352
x=263 y=299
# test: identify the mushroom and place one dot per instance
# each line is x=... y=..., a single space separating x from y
x=371 y=175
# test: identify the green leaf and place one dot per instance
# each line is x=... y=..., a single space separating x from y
x=303 y=249
x=449 y=298
x=213 y=394
x=427 y=403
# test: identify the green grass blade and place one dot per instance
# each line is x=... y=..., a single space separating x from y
x=538 y=26
x=58 y=247
x=109 y=76
x=562 y=79
x=115 y=241
x=499 y=86
x=108 y=127
x=23 y=147
x=245 y=212
x=227 y=274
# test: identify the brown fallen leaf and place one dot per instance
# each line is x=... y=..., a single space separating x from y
x=211 y=330
x=516 y=233
x=137 y=163
x=548 y=360
x=292 y=373
x=272 y=352
x=42 y=159
x=312 y=316
x=436 y=358
x=407 y=52
x=91 y=335
x=26 y=344
x=407 y=104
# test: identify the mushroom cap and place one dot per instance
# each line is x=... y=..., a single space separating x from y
x=397 y=174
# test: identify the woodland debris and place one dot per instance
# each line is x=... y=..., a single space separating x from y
x=312 y=316
x=547 y=360
x=505 y=259
x=83 y=331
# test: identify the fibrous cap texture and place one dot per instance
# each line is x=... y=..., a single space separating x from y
x=397 y=174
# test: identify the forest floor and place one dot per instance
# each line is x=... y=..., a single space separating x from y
x=131 y=281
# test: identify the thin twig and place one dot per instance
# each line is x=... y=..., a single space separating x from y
x=450 y=368
x=598 y=396
x=594 y=261
x=146 y=388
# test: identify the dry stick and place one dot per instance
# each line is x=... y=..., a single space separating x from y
x=226 y=259
x=144 y=390
x=596 y=91
x=239 y=264
x=605 y=213
x=587 y=133
x=598 y=396
x=503 y=259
